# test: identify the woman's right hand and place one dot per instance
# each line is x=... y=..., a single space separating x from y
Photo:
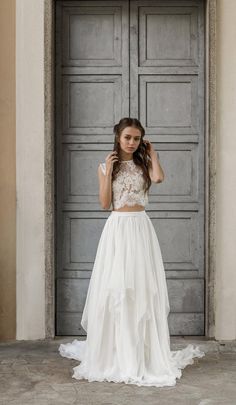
x=110 y=159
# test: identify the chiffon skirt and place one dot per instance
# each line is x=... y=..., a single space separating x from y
x=126 y=310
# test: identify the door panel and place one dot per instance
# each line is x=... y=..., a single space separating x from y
x=141 y=59
x=166 y=92
x=92 y=92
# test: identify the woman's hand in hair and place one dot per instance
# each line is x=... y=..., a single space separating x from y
x=155 y=170
x=110 y=159
x=149 y=146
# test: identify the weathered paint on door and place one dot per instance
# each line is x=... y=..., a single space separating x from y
x=142 y=59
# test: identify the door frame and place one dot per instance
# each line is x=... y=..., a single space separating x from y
x=210 y=165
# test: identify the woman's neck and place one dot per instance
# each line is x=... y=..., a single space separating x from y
x=126 y=156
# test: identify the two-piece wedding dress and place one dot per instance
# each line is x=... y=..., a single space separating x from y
x=127 y=305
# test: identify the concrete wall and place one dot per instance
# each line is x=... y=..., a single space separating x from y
x=30 y=169
x=225 y=298
x=7 y=172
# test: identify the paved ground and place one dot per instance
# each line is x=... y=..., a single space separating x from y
x=33 y=373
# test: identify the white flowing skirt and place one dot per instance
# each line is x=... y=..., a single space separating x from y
x=126 y=310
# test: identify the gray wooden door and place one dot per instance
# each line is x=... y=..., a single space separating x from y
x=141 y=59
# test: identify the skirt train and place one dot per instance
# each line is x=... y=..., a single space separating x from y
x=126 y=310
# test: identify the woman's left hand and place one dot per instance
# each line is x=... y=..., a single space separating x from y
x=150 y=148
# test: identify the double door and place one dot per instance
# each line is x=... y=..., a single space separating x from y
x=144 y=59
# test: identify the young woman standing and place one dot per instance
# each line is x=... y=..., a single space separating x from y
x=127 y=305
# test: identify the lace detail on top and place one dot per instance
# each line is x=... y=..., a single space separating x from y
x=127 y=188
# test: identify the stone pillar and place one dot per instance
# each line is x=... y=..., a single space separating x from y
x=30 y=169
x=225 y=282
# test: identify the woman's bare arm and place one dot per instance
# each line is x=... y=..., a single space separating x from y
x=156 y=171
x=105 y=181
x=105 y=189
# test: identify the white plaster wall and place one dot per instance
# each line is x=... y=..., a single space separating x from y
x=30 y=262
x=225 y=298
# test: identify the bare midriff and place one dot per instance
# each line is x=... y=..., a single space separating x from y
x=136 y=207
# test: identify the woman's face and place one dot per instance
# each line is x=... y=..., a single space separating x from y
x=130 y=139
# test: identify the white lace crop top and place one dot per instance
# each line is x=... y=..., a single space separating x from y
x=127 y=188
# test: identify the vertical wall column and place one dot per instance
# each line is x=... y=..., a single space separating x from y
x=30 y=262
x=225 y=298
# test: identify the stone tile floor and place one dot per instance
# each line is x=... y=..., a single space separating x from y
x=33 y=373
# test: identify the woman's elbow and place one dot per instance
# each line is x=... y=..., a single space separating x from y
x=105 y=205
x=158 y=179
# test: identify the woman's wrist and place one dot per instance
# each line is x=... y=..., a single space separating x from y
x=154 y=154
x=108 y=174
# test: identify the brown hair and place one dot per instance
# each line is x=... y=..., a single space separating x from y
x=140 y=156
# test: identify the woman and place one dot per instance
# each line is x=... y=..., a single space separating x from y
x=127 y=305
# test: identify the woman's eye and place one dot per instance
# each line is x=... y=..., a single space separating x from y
x=136 y=139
